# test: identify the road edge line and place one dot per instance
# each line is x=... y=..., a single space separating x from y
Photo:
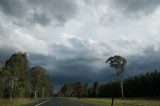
x=42 y=103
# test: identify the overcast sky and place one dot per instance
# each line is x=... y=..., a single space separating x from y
x=73 y=38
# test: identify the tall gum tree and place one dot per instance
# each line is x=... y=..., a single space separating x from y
x=17 y=64
x=42 y=87
x=118 y=63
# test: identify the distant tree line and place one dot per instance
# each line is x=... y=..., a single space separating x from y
x=147 y=85
x=18 y=80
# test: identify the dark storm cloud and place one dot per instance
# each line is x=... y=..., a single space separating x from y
x=71 y=70
x=59 y=11
x=84 y=76
x=136 y=6
x=41 y=19
x=74 y=59
x=39 y=11
x=70 y=64
x=14 y=8
x=78 y=70
x=5 y=54
x=146 y=63
x=87 y=68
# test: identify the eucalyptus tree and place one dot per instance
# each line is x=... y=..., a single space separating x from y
x=17 y=65
x=118 y=63
x=96 y=89
x=79 y=88
x=41 y=86
x=7 y=82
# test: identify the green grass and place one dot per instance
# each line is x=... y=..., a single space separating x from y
x=15 y=102
x=120 y=102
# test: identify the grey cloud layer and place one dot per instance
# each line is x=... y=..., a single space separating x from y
x=82 y=65
x=14 y=8
x=40 y=11
x=59 y=10
x=136 y=6
x=67 y=38
x=70 y=64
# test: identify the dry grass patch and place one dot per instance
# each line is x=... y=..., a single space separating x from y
x=120 y=102
x=15 y=102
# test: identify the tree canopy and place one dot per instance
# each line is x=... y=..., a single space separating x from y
x=117 y=62
x=17 y=79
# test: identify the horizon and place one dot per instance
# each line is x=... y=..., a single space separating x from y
x=72 y=39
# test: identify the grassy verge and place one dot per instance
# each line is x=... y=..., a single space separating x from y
x=120 y=102
x=15 y=102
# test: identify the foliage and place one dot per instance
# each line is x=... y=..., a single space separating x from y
x=118 y=63
x=41 y=86
x=146 y=85
x=16 y=80
x=96 y=89
x=18 y=67
x=76 y=89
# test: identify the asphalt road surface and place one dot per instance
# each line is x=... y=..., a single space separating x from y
x=61 y=102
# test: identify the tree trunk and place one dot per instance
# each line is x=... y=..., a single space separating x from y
x=11 y=89
x=75 y=93
x=79 y=95
x=35 y=94
x=43 y=92
x=35 y=90
x=112 y=100
x=122 y=93
x=11 y=95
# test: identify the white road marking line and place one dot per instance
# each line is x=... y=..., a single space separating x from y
x=42 y=103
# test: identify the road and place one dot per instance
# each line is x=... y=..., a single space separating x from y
x=61 y=102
